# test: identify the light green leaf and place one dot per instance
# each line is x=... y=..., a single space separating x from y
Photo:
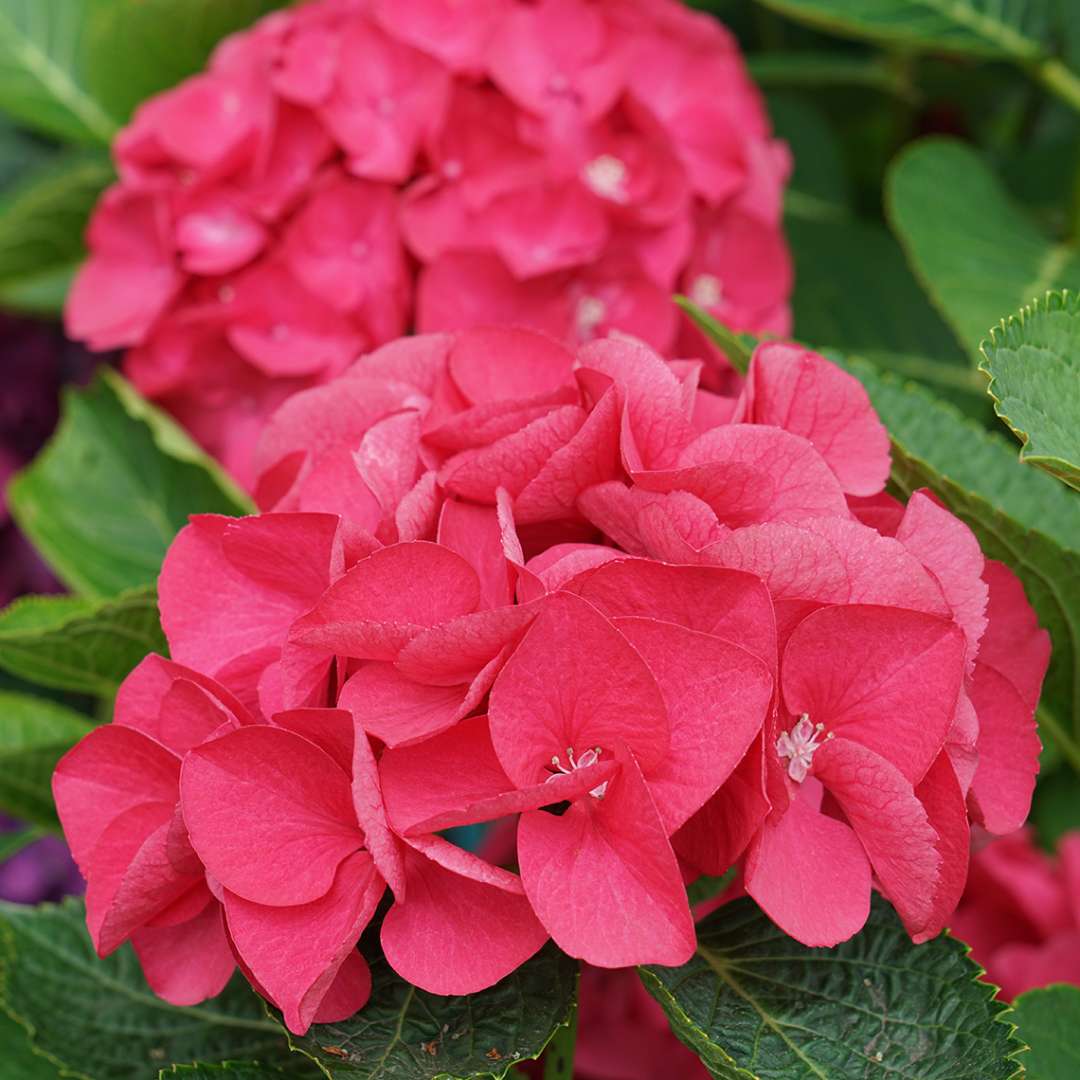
x=1048 y=1020
x=1020 y=516
x=977 y=253
x=43 y=53
x=98 y=1019
x=78 y=643
x=34 y=733
x=406 y=1034
x=753 y=1003
x=1033 y=360
x=137 y=48
x=42 y=220
x=113 y=486
x=737 y=347
x=1002 y=29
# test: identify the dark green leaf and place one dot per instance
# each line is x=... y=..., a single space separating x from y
x=976 y=252
x=1006 y=29
x=756 y=1005
x=1048 y=1021
x=34 y=733
x=406 y=1034
x=708 y=887
x=243 y=1070
x=43 y=50
x=112 y=487
x=1056 y=806
x=41 y=228
x=1033 y=360
x=1020 y=516
x=139 y=47
x=78 y=643
x=99 y=1019
x=17 y=1058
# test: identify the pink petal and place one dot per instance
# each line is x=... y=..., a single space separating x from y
x=717 y=697
x=386 y=599
x=603 y=879
x=1008 y=752
x=454 y=934
x=188 y=963
x=296 y=952
x=574 y=682
x=891 y=824
x=474 y=533
x=801 y=392
x=719 y=832
x=492 y=364
x=112 y=770
x=370 y=810
x=725 y=603
x=886 y=677
x=810 y=875
x=331 y=730
x=749 y=474
x=270 y=814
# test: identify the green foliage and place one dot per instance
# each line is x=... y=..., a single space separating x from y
x=112 y=487
x=977 y=253
x=78 y=643
x=1001 y=29
x=98 y=1019
x=1056 y=807
x=406 y=1034
x=755 y=1005
x=34 y=733
x=17 y=1058
x=242 y=1070
x=1033 y=360
x=42 y=220
x=1048 y=1020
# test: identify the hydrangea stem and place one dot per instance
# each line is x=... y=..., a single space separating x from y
x=559 y=1056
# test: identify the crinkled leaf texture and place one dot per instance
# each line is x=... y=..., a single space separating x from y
x=1048 y=1020
x=77 y=643
x=1033 y=360
x=113 y=486
x=98 y=1019
x=756 y=1005
x=406 y=1034
x=242 y=1070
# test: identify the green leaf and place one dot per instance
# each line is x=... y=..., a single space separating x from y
x=975 y=251
x=737 y=347
x=1002 y=29
x=1048 y=1020
x=1056 y=806
x=753 y=1003
x=1033 y=360
x=34 y=733
x=406 y=1034
x=137 y=48
x=78 y=643
x=1020 y=516
x=42 y=220
x=98 y=1018
x=17 y=1058
x=43 y=52
x=241 y=1070
x=112 y=487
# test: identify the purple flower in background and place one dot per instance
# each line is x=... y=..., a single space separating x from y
x=35 y=361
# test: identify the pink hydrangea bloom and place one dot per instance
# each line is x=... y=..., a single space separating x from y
x=344 y=171
x=650 y=630
x=1020 y=912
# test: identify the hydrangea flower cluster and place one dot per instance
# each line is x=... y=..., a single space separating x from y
x=348 y=169
x=1021 y=912
x=662 y=630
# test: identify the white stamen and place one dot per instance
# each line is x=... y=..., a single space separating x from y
x=606 y=175
x=706 y=291
x=589 y=314
x=589 y=757
x=798 y=746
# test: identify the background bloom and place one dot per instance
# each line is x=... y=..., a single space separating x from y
x=344 y=171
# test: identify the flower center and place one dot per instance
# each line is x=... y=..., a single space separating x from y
x=798 y=746
x=606 y=175
x=589 y=757
x=589 y=314
x=706 y=291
